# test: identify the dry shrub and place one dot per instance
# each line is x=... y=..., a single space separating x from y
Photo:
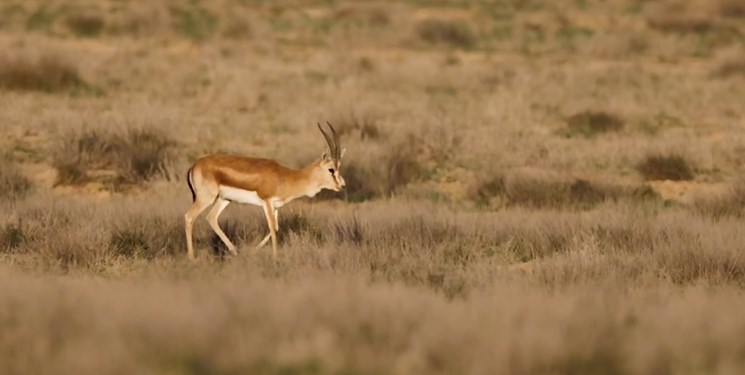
x=43 y=17
x=618 y=45
x=486 y=187
x=47 y=72
x=361 y=184
x=592 y=123
x=665 y=167
x=495 y=190
x=364 y=126
x=398 y=162
x=12 y=236
x=732 y=8
x=457 y=34
x=730 y=67
x=376 y=16
x=238 y=27
x=680 y=24
x=142 y=19
x=134 y=156
x=85 y=24
x=383 y=177
x=679 y=17
x=13 y=184
x=538 y=192
x=195 y=22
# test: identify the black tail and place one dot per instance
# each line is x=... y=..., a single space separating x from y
x=191 y=186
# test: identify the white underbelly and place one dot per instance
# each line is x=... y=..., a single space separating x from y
x=247 y=196
x=241 y=196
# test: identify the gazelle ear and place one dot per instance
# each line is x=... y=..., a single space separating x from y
x=342 y=152
x=325 y=154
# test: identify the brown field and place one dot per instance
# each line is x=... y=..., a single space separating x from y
x=534 y=187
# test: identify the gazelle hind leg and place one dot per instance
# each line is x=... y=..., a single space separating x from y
x=212 y=217
x=269 y=235
x=191 y=215
x=204 y=195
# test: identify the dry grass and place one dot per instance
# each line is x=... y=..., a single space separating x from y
x=475 y=238
x=384 y=289
x=13 y=184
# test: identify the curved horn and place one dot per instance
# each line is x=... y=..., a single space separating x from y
x=329 y=141
x=337 y=149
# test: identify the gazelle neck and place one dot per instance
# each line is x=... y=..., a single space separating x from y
x=313 y=183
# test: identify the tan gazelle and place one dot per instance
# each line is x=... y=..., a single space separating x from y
x=220 y=179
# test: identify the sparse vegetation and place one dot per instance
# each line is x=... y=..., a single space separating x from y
x=501 y=213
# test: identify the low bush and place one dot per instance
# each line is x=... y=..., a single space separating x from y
x=593 y=123
x=665 y=167
x=47 y=73
x=455 y=34
x=131 y=157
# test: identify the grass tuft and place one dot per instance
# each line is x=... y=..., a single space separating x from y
x=13 y=184
x=12 y=236
x=665 y=167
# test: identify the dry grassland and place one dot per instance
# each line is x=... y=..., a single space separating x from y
x=534 y=187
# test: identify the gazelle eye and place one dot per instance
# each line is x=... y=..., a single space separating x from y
x=331 y=170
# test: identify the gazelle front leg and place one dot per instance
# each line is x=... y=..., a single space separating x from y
x=269 y=235
x=271 y=221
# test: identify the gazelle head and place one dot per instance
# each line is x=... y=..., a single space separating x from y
x=330 y=162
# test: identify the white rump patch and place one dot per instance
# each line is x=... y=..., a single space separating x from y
x=241 y=196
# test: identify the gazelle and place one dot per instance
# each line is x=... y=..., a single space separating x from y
x=220 y=179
